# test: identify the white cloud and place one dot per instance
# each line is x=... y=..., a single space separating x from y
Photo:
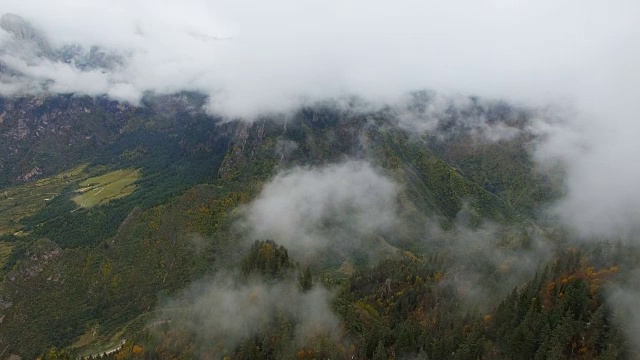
x=284 y=49
x=224 y=312
x=333 y=208
x=253 y=56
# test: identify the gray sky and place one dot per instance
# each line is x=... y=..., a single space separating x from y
x=252 y=56
x=282 y=49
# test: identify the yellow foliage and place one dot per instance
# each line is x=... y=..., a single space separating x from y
x=137 y=350
x=438 y=276
x=551 y=285
x=106 y=269
x=306 y=354
x=267 y=251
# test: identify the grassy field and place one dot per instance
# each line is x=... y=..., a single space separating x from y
x=19 y=202
x=5 y=252
x=107 y=187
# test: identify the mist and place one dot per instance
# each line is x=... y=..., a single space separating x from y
x=252 y=57
x=624 y=297
x=574 y=64
x=227 y=310
x=255 y=56
x=333 y=209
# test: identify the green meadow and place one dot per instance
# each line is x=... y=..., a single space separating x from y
x=104 y=188
x=22 y=201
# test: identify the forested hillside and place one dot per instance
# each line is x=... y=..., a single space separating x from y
x=332 y=232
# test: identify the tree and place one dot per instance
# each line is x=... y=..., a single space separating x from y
x=268 y=259
x=306 y=280
x=57 y=354
x=381 y=352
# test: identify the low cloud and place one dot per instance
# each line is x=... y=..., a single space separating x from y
x=488 y=261
x=224 y=312
x=600 y=198
x=268 y=58
x=333 y=208
x=624 y=297
x=284 y=148
x=449 y=115
x=585 y=57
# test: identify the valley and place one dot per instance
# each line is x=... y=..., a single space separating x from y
x=122 y=243
x=319 y=180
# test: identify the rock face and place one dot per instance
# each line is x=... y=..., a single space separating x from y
x=24 y=32
x=43 y=135
x=16 y=25
x=30 y=174
x=89 y=59
x=38 y=258
x=27 y=46
x=39 y=135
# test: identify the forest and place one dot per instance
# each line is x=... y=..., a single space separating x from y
x=338 y=234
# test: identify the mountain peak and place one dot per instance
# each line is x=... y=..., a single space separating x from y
x=23 y=30
x=18 y=26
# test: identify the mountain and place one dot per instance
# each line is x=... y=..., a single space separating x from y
x=111 y=209
x=339 y=229
x=25 y=33
x=31 y=64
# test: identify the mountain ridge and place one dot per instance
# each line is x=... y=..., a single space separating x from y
x=112 y=265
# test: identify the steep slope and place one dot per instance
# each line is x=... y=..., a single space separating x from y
x=110 y=264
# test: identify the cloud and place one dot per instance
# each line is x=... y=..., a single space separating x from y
x=277 y=52
x=450 y=115
x=224 y=312
x=601 y=199
x=623 y=295
x=333 y=208
x=576 y=62
x=488 y=261
x=252 y=57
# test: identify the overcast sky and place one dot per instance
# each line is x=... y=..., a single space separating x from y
x=260 y=54
x=254 y=56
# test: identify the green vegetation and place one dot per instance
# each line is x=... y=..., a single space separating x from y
x=407 y=307
x=157 y=209
x=504 y=169
x=5 y=252
x=268 y=259
x=104 y=188
x=20 y=202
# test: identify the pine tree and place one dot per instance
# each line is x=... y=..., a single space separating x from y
x=57 y=354
x=381 y=352
x=306 y=280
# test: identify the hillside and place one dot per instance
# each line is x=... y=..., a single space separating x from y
x=122 y=223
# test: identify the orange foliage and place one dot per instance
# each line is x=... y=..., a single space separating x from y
x=593 y=278
x=137 y=350
x=438 y=276
x=306 y=354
